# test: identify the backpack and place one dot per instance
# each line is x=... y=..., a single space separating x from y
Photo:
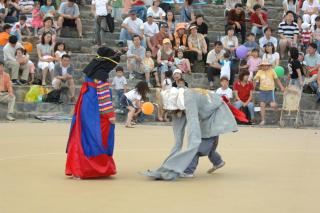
x=52 y=97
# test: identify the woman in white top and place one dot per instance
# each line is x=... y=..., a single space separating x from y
x=230 y=41
x=310 y=11
x=46 y=56
x=271 y=55
x=158 y=13
x=291 y=5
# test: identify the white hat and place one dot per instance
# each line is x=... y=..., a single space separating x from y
x=177 y=71
x=305 y=25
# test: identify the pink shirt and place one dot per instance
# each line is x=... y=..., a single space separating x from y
x=253 y=64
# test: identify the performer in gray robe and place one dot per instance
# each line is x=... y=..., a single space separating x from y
x=206 y=116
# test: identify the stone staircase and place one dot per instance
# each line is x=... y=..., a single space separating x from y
x=83 y=51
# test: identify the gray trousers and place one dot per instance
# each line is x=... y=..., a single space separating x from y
x=100 y=29
x=14 y=67
x=6 y=98
x=208 y=148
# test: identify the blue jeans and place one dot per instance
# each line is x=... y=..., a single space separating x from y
x=118 y=94
x=141 y=12
x=314 y=85
x=318 y=45
x=250 y=106
x=257 y=31
x=208 y=148
x=125 y=35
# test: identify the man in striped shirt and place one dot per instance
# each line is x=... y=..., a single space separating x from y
x=288 y=31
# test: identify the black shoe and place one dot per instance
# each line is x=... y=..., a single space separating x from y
x=15 y=82
x=120 y=44
x=23 y=82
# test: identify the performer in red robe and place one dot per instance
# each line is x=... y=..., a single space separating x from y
x=91 y=140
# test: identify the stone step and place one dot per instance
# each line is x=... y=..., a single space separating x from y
x=307 y=118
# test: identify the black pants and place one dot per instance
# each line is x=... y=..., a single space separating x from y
x=242 y=31
x=234 y=68
x=212 y=72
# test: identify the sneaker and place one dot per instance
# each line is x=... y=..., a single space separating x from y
x=10 y=117
x=119 y=111
x=214 y=168
x=23 y=82
x=185 y=175
x=131 y=76
x=262 y=123
x=120 y=44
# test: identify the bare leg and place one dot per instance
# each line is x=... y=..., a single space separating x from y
x=79 y=27
x=44 y=76
x=262 y=112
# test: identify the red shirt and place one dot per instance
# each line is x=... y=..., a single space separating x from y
x=243 y=91
x=256 y=20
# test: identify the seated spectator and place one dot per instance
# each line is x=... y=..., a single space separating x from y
x=139 y=7
x=177 y=76
x=213 y=58
x=230 y=41
x=197 y=43
x=250 y=4
x=165 y=58
x=63 y=73
x=13 y=12
x=36 y=18
x=243 y=93
x=46 y=57
x=4 y=36
x=295 y=70
x=171 y=21
x=306 y=36
x=316 y=33
x=155 y=42
x=268 y=38
x=315 y=85
x=100 y=12
x=23 y=58
x=180 y=37
x=253 y=63
x=131 y=26
x=251 y=42
x=182 y=63
x=236 y=19
x=48 y=28
x=9 y=52
x=310 y=11
x=3 y=10
x=312 y=61
x=187 y=11
x=135 y=56
x=59 y=51
x=258 y=20
x=26 y=7
x=267 y=77
x=148 y=68
x=288 y=31
x=69 y=16
x=202 y=28
x=157 y=13
x=224 y=90
x=291 y=5
x=149 y=28
x=21 y=28
x=6 y=92
x=48 y=9
x=271 y=55
x=230 y=5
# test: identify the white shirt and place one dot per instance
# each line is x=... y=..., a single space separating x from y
x=64 y=70
x=166 y=84
x=271 y=57
x=263 y=40
x=213 y=56
x=150 y=29
x=119 y=82
x=227 y=92
x=133 y=95
x=101 y=7
x=225 y=69
x=156 y=14
x=309 y=7
x=134 y=24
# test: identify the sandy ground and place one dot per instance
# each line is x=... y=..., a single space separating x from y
x=267 y=170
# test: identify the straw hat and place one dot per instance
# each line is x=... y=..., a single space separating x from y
x=265 y=63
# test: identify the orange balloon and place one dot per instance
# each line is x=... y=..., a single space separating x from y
x=28 y=46
x=147 y=108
